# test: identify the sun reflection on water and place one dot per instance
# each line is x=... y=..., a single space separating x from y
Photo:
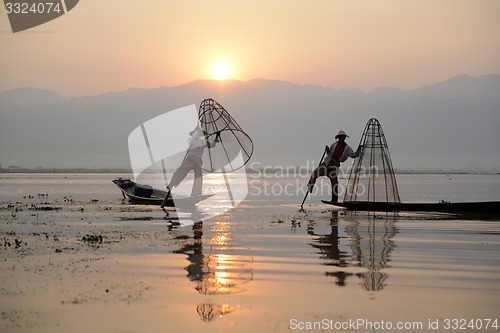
x=216 y=265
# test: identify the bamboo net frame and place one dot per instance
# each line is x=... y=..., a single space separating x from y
x=372 y=177
x=235 y=147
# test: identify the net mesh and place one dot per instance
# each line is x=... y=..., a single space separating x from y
x=234 y=148
x=372 y=176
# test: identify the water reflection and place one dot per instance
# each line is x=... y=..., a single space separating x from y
x=209 y=311
x=216 y=266
x=329 y=251
x=372 y=242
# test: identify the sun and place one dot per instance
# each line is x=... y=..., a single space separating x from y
x=222 y=71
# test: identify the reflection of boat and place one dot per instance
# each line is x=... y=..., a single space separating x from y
x=147 y=195
x=485 y=207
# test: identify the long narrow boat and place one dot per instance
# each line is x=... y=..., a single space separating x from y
x=484 y=207
x=146 y=195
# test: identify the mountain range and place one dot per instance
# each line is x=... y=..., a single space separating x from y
x=450 y=125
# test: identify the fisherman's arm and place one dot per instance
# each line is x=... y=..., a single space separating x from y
x=217 y=140
x=356 y=153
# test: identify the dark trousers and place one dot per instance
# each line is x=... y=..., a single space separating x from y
x=329 y=171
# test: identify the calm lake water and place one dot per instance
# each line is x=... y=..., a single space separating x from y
x=261 y=266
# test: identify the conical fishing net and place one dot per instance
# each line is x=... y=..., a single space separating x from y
x=234 y=147
x=372 y=176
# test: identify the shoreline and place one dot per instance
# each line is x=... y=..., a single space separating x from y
x=259 y=171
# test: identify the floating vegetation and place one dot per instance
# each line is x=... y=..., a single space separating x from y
x=182 y=237
x=92 y=238
x=6 y=243
x=137 y=218
x=295 y=224
x=18 y=243
x=43 y=208
x=14 y=207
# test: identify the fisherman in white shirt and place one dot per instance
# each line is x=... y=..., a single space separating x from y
x=193 y=161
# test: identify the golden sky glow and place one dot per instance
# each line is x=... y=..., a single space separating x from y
x=113 y=45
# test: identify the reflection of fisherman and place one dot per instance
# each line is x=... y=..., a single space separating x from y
x=193 y=160
x=338 y=152
x=329 y=250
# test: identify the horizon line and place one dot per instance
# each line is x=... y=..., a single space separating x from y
x=249 y=80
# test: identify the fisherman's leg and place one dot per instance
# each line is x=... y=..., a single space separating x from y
x=335 y=184
x=318 y=172
x=181 y=173
x=198 y=179
x=335 y=189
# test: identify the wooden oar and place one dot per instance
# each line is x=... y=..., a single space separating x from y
x=166 y=198
x=307 y=193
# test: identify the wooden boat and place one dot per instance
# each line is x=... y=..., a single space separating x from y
x=484 y=207
x=147 y=195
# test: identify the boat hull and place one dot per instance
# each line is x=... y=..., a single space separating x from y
x=485 y=207
x=152 y=196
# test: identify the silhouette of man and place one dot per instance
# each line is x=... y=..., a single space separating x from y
x=338 y=152
x=193 y=161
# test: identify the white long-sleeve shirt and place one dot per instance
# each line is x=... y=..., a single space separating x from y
x=197 y=144
x=348 y=152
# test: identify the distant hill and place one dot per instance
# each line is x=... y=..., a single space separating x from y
x=448 y=125
x=29 y=96
x=464 y=86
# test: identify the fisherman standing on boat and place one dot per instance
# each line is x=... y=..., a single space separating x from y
x=193 y=161
x=338 y=152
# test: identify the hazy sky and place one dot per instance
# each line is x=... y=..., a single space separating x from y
x=113 y=45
